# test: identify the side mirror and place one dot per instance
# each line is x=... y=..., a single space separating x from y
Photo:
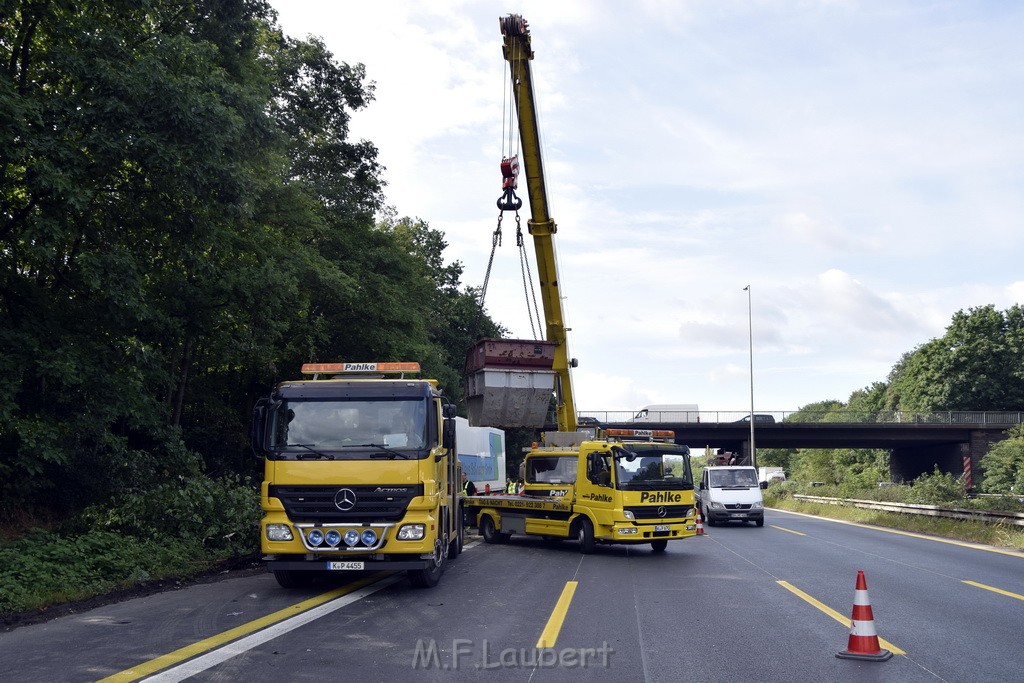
x=764 y=484
x=258 y=427
x=449 y=410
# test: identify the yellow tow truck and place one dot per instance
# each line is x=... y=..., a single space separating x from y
x=595 y=486
x=632 y=486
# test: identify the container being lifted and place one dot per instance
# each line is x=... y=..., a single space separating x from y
x=509 y=382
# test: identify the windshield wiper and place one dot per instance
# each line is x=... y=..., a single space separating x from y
x=309 y=447
x=387 y=452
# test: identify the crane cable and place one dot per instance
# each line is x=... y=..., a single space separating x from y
x=510 y=202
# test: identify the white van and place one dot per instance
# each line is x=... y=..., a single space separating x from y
x=668 y=412
x=730 y=494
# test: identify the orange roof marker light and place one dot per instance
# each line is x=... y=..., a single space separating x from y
x=641 y=433
x=359 y=368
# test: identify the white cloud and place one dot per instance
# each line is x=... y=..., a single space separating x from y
x=858 y=165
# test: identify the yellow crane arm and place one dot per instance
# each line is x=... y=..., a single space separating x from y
x=518 y=54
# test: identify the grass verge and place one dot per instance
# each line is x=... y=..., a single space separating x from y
x=999 y=535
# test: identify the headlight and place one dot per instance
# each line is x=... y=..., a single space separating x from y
x=369 y=537
x=757 y=506
x=315 y=537
x=629 y=514
x=333 y=538
x=411 y=532
x=351 y=537
x=279 y=532
x=716 y=505
x=627 y=530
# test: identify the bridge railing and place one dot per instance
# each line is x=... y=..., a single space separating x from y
x=974 y=417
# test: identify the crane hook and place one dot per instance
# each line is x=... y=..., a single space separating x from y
x=508 y=201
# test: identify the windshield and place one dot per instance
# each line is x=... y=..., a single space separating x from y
x=652 y=470
x=722 y=479
x=307 y=429
x=551 y=470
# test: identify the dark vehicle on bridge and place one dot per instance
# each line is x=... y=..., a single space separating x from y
x=759 y=419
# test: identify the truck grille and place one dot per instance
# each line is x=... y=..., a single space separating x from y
x=374 y=503
x=652 y=511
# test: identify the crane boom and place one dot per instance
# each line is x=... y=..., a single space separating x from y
x=518 y=54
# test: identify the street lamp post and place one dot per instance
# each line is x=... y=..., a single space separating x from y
x=750 y=335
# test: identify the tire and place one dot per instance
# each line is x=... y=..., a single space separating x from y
x=708 y=519
x=759 y=521
x=455 y=547
x=295 y=578
x=659 y=545
x=488 y=531
x=585 y=535
x=431 y=575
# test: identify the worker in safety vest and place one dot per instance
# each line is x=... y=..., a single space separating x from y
x=468 y=487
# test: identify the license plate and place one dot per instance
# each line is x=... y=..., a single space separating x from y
x=738 y=514
x=660 y=527
x=344 y=566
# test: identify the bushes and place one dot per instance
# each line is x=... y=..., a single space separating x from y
x=219 y=514
x=175 y=531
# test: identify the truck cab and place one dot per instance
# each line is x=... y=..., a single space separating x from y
x=359 y=474
x=730 y=494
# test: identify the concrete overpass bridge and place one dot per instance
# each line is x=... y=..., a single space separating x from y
x=955 y=441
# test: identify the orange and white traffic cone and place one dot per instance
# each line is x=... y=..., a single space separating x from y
x=700 y=524
x=863 y=642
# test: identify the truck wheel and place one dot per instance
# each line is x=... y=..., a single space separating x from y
x=295 y=578
x=659 y=545
x=708 y=518
x=488 y=531
x=455 y=547
x=431 y=575
x=585 y=535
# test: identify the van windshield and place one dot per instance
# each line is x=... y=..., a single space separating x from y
x=724 y=479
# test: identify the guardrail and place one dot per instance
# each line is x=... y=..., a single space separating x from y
x=990 y=516
x=972 y=417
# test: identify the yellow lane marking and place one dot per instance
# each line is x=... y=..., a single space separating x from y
x=549 y=635
x=782 y=528
x=962 y=544
x=834 y=614
x=995 y=590
x=189 y=651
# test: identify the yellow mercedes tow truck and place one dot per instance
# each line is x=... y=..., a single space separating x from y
x=632 y=486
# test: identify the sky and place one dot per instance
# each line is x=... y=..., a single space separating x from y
x=858 y=165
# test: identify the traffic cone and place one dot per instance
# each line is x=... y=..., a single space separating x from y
x=700 y=524
x=863 y=643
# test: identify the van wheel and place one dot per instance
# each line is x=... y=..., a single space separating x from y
x=759 y=522
x=659 y=545
x=585 y=535
x=708 y=518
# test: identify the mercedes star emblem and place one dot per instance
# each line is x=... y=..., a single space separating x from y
x=345 y=499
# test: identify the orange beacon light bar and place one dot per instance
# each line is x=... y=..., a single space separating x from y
x=356 y=368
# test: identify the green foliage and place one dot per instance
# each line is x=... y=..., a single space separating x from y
x=1003 y=466
x=44 y=568
x=185 y=221
x=978 y=364
x=937 y=488
x=220 y=514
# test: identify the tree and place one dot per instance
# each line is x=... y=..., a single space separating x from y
x=976 y=365
x=1003 y=465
